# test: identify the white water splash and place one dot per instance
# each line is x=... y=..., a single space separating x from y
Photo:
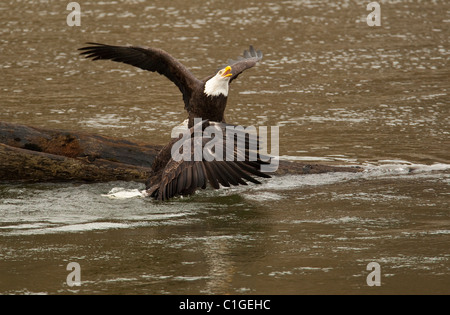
x=399 y=166
x=123 y=193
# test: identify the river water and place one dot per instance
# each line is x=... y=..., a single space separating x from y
x=341 y=92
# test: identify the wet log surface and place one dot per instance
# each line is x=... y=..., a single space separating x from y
x=40 y=155
x=28 y=165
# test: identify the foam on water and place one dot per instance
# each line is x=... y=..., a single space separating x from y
x=124 y=193
x=267 y=191
x=407 y=167
x=60 y=208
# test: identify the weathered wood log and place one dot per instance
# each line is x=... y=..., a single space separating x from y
x=78 y=145
x=39 y=155
x=28 y=165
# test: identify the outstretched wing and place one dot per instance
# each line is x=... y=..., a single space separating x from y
x=248 y=60
x=185 y=177
x=151 y=59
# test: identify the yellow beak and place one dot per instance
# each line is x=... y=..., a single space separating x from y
x=227 y=72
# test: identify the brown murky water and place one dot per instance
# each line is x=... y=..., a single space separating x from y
x=342 y=92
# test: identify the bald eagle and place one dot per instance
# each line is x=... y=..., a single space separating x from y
x=205 y=100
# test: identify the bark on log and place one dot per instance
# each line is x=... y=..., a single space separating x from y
x=39 y=155
x=78 y=145
x=36 y=154
x=28 y=165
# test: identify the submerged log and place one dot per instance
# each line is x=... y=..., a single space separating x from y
x=296 y=168
x=40 y=155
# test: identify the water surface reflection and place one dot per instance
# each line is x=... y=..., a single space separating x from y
x=341 y=92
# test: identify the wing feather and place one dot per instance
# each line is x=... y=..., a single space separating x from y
x=146 y=58
x=211 y=176
x=185 y=177
x=248 y=60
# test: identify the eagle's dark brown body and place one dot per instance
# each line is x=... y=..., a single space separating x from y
x=207 y=107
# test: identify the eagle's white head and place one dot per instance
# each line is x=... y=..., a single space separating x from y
x=218 y=84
